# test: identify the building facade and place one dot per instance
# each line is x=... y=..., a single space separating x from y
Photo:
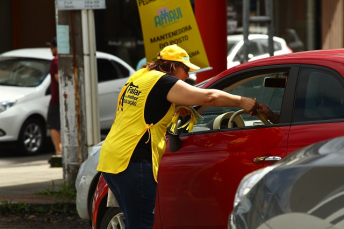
x=304 y=24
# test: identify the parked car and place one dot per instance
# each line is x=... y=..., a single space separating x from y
x=197 y=182
x=86 y=182
x=293 y=40
x=25 y=94
x=258 y=48
x=304 y=190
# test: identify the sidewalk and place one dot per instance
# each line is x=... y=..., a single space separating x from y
x=23 y=177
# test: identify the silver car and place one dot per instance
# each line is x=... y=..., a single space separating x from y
x=304 y=190
x=86 y=182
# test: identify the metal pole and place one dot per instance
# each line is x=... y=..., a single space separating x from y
x=310 y=24
x=88 y=83
x=94 y=77
x=269 y=12
x=246 y=25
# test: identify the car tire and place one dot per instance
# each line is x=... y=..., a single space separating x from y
x=31 y=137
x=113 y=219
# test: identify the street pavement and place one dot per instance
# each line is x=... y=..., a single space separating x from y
x=21 y=177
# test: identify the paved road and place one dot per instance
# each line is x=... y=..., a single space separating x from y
x=20 y=179
x=20 y=175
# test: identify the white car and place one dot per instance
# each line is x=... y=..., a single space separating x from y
x=25 y=95
x=258 y=48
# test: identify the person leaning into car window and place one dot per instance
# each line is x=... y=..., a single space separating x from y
x=265 y=111
x=53 y=120
x=131 y=153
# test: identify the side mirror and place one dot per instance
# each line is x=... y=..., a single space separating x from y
x=175 y=142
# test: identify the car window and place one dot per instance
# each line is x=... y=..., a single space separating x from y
x=254 y=49
x=320 y=96
x=23 y=72
x=106 y=70
x=124 y=72
x=265 y=45
x=252 y=87
x=231 y=44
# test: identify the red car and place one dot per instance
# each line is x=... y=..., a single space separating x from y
x=197 y=182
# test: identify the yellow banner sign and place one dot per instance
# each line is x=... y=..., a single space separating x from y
x=168 y=22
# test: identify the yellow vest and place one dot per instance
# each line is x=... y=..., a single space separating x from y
x=129 y=125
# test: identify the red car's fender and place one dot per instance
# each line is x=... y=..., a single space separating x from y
x=99 y=195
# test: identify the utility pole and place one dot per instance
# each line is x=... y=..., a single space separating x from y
x=71 y=77
x=78 y=82
x=267 y=19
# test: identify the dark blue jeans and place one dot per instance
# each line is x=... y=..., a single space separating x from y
x=135 y=190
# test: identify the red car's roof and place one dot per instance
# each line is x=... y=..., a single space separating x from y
x=332 y=58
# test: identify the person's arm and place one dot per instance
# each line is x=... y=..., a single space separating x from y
x=268 y=114
x=274 y=118
x=56 y=76
x=184 y=94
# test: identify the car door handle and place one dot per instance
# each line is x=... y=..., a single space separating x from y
x=270 y=158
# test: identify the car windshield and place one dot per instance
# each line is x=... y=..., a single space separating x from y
x=23 y=72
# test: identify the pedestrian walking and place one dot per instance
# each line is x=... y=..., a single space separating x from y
x=53 y=119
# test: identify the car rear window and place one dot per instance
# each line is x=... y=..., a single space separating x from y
x=265 y=45
x=123 y=70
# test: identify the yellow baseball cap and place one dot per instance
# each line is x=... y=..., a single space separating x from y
x=176 y=53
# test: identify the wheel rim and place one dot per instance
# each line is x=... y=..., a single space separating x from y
x=117 y=222
x=32 y=137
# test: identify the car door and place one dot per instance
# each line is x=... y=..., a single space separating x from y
x=197 y=183
x=111 y=78
x=319 y=107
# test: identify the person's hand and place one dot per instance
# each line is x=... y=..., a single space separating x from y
x=183 y=112
x=249 y=105
x=268 y=114
x=265 y=111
